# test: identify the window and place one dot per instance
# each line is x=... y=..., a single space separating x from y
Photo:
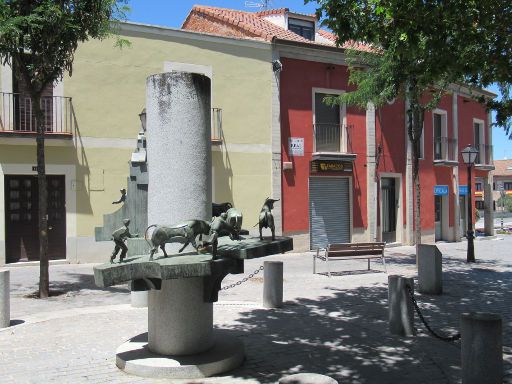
x=478 y=186
x=329 y=131
x=440 y=135
x=479 y=204
x=478 y=140
x=507 y=186
x=303 y=28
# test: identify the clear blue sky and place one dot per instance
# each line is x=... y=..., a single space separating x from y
x=172 y=13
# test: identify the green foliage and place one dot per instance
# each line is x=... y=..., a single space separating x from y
x=423 y=43
x=41 y=36
x=506 y=202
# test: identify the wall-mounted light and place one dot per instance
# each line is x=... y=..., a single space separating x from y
x=277 y=66
x=142 y=117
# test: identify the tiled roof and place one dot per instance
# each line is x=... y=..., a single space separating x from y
x=502 y=168
x=246 y=21
x=230 y=22
x=279 y=11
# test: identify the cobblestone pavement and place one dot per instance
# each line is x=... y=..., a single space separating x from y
x=335 y=326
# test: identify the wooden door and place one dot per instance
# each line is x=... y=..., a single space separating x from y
x=21 y=218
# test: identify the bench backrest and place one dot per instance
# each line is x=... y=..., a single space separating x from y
x=355 y=248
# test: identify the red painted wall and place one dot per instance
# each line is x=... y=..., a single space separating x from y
x=297 y=81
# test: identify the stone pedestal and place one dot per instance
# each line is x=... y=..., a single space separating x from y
x=179 y=321
x=401 y=311
x=481 y=348
x=5 y=299
x=430 y=270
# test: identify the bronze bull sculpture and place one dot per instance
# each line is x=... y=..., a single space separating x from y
x=184 y=232
x=266 y=219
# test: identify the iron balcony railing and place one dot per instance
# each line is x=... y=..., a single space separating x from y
x=216 y=124
x=484 y=156
x=18 y=116
x=445 y=149
x=332 y=138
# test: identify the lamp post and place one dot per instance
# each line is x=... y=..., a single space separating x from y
x=469 y=155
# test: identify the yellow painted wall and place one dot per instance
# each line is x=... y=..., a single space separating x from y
x=108 y=92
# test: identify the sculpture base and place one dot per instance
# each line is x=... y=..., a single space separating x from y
x=134 y=358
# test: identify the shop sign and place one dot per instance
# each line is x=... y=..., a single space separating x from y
x=318 y=166
x=440 y=190
x=296 y=146
x=463 y=190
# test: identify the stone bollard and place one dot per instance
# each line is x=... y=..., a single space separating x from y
x=401 y=311
x=482 y=351
x=273 y=284
x=430 y=270
x=5 y=298
x=307 y=378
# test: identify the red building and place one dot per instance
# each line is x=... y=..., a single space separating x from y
x=346 y=173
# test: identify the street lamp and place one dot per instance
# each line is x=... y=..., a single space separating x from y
x=469 y=155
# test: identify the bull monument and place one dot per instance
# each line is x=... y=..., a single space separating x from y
x=181 y=341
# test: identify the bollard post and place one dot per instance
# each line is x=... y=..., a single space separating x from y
x=401 y=311
x=481 y=348
x=430 y=270
x=273 y=284
x=5 y=297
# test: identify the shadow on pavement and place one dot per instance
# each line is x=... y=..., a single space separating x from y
x=345 y=334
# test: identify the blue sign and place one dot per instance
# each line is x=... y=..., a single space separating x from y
x=463 y=190
x=440 y=190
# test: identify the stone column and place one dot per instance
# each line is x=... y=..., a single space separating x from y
x=372 y=187
x=481 y=348
x=273 y=284
x=488 y=206
x=179 y=163
x=178 y=147
x=5 y=299
x=401 y=311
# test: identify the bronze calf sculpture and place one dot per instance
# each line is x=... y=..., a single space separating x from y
x=267 y=218
x=186 y=231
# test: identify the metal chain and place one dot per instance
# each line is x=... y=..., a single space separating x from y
x=418 y=311
x=251 y=275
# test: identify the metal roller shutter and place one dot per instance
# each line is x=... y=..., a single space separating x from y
x=329 y=211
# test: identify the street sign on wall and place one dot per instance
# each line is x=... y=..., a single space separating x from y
x=463 y=190
x=440 y=190
x=296 y=146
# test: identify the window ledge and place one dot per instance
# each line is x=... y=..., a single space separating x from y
x=485 y=167
x=446 y=163
x=333 y=156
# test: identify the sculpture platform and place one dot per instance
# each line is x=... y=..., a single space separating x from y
x=189 y=264
x=181 y=341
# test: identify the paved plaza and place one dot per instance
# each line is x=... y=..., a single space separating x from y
x=335 y=326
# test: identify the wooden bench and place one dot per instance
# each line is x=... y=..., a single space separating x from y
x=345 y=251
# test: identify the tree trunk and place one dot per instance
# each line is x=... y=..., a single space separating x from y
x=415 y=130
x=44 y=281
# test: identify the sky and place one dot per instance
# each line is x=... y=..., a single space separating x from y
x=172 y=13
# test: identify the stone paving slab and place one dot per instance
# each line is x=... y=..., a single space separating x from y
x=335 y=326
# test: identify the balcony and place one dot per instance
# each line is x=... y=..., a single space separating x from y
x=332 y=141
x=484 y=159
x=17 y=117
x=445 y=151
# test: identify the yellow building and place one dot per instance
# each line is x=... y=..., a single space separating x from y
x=92 y=121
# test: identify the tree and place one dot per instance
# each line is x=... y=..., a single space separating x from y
x=38 y=38
x=418 y=49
